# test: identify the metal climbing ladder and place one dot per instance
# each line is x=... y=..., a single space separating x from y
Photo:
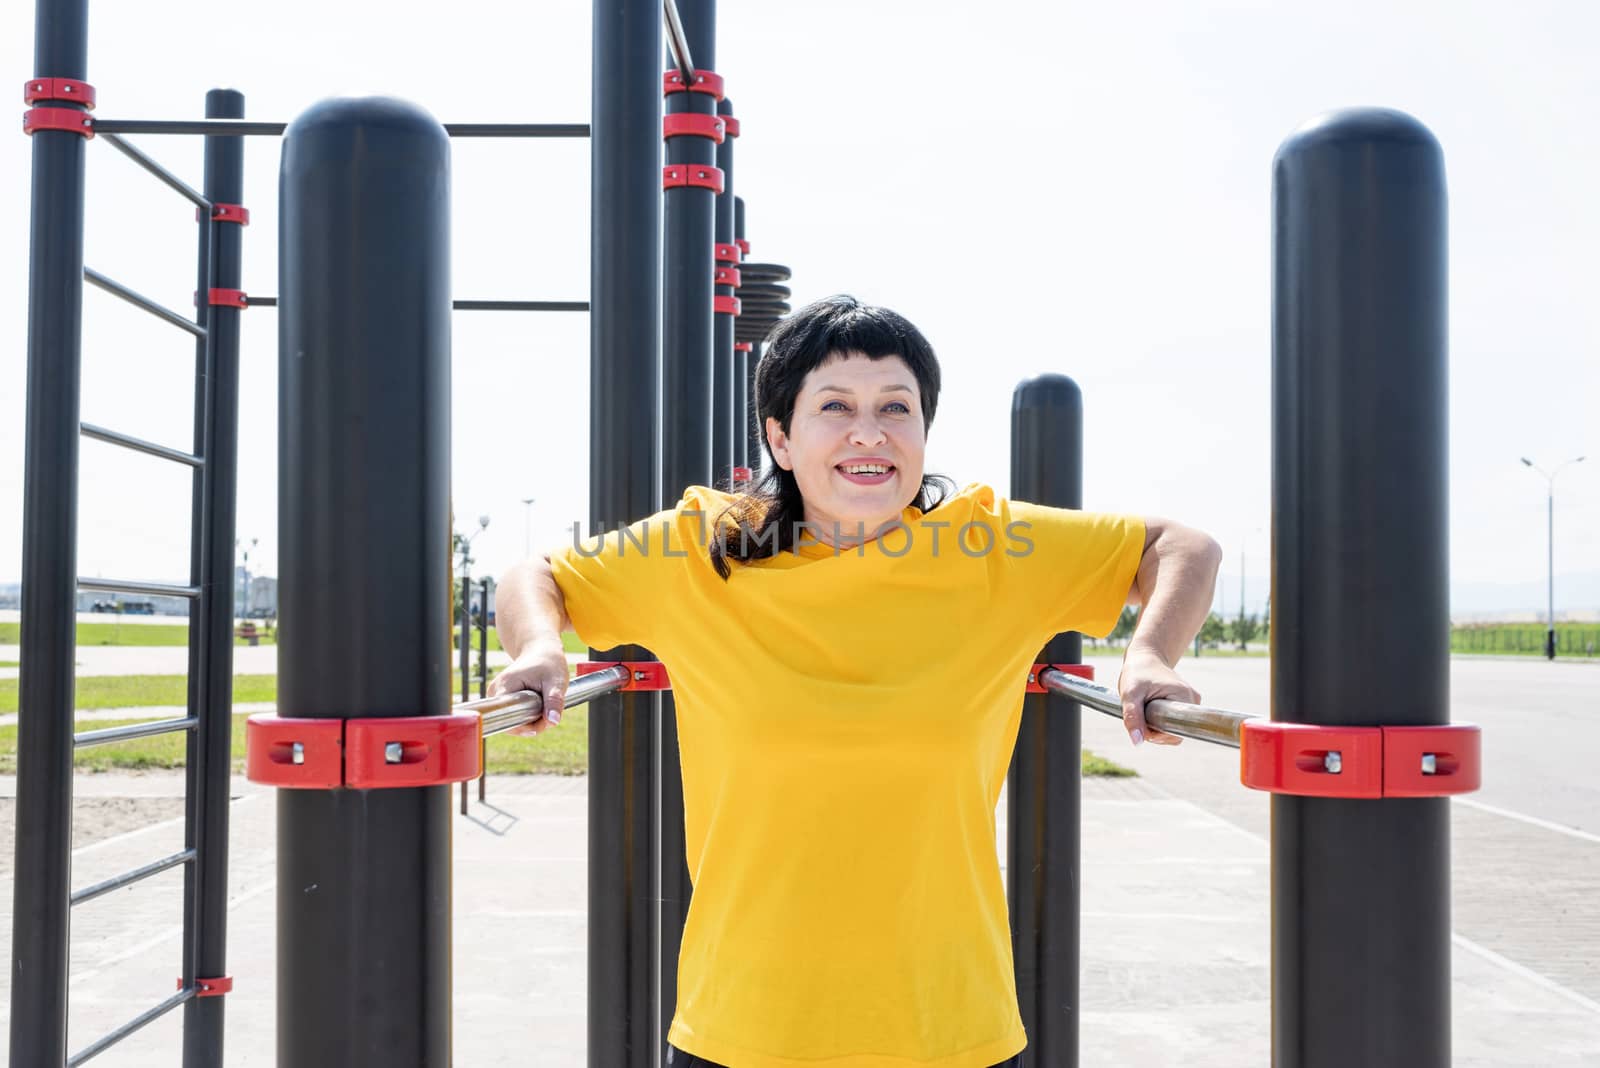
x=61 y=125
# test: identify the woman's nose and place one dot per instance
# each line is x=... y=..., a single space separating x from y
x=865 y=429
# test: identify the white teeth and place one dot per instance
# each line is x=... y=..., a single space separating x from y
x=866 y=469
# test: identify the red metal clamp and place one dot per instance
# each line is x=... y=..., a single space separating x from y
x=742 y=474
x=725 y=305
x=733 y=125
x=691 y=174
x=704 y=82
x=234 y=213
x=69 y=119
x=1083 y=671
x=365 y=754
x=725 y=253
x=226 y=298
x=301 y=754
x=37 y=89
x=693 y=124
x=744 y=246
x=1316 y=760
x=412 y=750
x=210 y=988
x=644 y=674
x=743 y=346
x=727 y=276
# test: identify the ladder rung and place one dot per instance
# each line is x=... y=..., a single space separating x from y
x=100 y=1045
x=152 y=589
x=133 y=730
x=150 y=448
x=117 y=289
x=128 y=878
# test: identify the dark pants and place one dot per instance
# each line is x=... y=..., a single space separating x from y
x=676 y=1058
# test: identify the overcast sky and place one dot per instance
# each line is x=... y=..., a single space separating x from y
x=1070 y=187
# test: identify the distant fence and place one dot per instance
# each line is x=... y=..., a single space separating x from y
x=1525 y=638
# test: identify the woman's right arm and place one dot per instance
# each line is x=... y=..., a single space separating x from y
x=530 y=615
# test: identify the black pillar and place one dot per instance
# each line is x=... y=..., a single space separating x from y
x=686 y=459
x=364 y=462
x=39 y=917
x=210 y=747
x=742 y=365
x=723 y=427
x=624 y=427
x=1360 y=622
x=1042 y=788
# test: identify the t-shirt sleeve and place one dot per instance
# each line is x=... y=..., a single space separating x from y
x=619 y=588
x=1072 y=570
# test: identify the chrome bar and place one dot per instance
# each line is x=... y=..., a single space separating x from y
x=1216 y=725
x=477 y=305
x=152 y=589
x=677 y=42
x=150 y=448
x=165 y=176
x=242 y=128
x=128 y=878
x=104 y=1043
x=515 y=709
x=116 y=289
x=133 y=730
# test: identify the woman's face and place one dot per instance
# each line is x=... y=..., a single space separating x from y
x=855 y=444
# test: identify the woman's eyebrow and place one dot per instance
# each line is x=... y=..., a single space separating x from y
x=885 y=389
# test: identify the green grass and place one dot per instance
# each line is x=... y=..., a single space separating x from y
x=1525 y=639
x=135 y=691
x=130 y=634
x=1098 y=765
x=9 y=663
x=569 y=642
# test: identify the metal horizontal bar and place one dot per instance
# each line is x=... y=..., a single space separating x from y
x=117 y=289
x=133 y=730
x=521 y=305
x=128 y=878
x=152 y=589
x=477 y=305
x=516 y=709
x=677 y=42
x=1204 y=724
x=243 y=128
x=166 y=177
x=100 y=1045
x=111 y=437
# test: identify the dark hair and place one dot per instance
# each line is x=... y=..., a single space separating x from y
x=765 y=519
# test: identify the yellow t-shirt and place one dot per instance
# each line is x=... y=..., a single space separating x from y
x=845 y=722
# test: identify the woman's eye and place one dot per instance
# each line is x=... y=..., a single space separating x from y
x=829 y=406
x=899 y=408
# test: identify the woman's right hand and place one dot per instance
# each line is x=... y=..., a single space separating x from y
x=542 y=668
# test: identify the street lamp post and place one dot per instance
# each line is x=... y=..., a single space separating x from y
x=527 y=527
x=1550 y=514
x=466 y=607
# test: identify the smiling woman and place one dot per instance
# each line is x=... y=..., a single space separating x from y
x=845 y=395
x=839 y=786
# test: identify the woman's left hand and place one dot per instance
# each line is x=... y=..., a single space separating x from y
x=1146 y=677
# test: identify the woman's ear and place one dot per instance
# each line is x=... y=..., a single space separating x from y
x=778 y=442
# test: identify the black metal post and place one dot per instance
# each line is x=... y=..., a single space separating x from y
x=211 y=617
x=364 y=461
x=742 y=366
x=483 y=638
x=624 y=428
x=40 y=909
x=686 y=457
x=1043 y=785
x=1360 y=889
x=685 y=450
x=724 y=430
x=464 y=639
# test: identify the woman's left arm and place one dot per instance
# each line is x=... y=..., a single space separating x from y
x=1175 y=582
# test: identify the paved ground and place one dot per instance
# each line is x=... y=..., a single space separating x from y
x=1176 y=955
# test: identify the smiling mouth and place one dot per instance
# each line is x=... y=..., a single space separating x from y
x=866 y=474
